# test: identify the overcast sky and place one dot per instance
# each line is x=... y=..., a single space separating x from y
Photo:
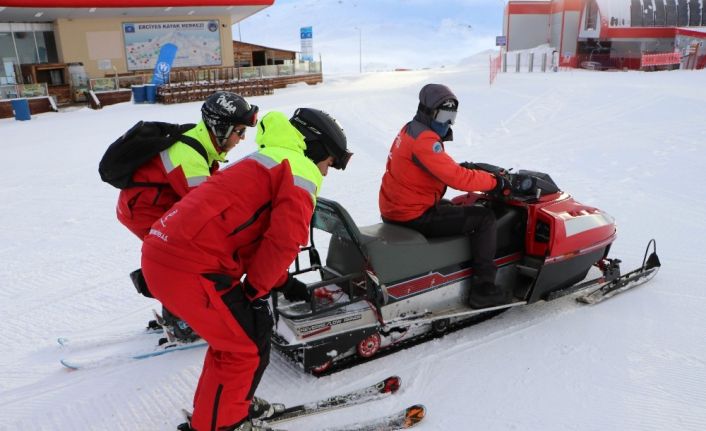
x=394 y=34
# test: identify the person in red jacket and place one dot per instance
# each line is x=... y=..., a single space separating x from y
x=416 y=177
x=178 y=170
x=216 y=255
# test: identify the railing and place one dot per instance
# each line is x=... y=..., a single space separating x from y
x=495 y=64
x=220 y=74
x=23 y=90
x=665 y=59
x=117 y=83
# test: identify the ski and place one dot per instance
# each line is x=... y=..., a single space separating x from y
x=404 y=419
x=367 y=394
x=82 y=361
x=97 y=340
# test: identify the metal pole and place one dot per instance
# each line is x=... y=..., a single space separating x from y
x=360 y=50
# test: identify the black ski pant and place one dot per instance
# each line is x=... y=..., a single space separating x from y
x=478 y=223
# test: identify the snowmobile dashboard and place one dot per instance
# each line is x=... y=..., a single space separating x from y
x=531 y=185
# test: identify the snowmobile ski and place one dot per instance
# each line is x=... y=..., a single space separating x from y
x=649 y=268
x=367 y=394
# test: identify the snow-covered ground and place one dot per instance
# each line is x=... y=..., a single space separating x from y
x=630 y=143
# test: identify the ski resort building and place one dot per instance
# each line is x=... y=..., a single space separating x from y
x=41 y=41
x=610 y=33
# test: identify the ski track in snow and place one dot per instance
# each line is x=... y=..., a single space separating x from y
x=630 y=143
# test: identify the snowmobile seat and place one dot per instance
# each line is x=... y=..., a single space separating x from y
x=395 y=252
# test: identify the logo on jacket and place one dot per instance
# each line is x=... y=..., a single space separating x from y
x=163 y=220
x=437 y=147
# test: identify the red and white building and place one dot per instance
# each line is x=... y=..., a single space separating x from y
x=612 y=33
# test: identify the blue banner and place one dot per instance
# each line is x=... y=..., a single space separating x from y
x=164 y=64
x=306 y=32
x=307 y=41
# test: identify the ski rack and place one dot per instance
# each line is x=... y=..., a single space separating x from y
x=329 y=218
x=315 y=309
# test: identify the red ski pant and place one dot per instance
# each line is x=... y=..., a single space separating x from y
x=237 y=334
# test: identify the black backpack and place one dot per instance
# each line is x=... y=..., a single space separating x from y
x=137 y=146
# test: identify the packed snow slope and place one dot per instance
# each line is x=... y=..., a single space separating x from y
x=630 y=143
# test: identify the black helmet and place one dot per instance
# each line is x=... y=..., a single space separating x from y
x=223 y=110
x=323 y=136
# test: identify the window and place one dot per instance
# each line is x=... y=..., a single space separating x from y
x=591 y=15
x=26 y=48
x=46 y=47
x=24 y=43
x=7 y=59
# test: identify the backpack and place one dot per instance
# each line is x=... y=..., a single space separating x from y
x=137 y=146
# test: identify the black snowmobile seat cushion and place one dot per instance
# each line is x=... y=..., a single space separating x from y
x=397 y=252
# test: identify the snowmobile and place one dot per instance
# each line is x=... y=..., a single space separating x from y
x=384 y=285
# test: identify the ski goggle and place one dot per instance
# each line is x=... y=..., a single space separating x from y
x=342 y=161
x=445 y=117
x=250 y=117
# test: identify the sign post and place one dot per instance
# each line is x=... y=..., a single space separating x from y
x=307 y=43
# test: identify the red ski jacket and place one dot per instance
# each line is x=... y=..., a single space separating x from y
x=248 y=219
x=418 y=172
x=180 y=168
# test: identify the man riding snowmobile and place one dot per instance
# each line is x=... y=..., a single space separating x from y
x=416 y=177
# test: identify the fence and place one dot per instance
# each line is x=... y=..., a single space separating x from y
x=224 y=74
x=649 y=60
x=13 y=91
x=495 y=64
x=528 y=61
x=198 y=91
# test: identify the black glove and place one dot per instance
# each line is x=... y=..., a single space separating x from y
x=251 y=292
x=295 y=290
x=487 y=167
x=503 y=185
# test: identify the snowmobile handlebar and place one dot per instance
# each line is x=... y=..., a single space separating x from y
x=523 y=184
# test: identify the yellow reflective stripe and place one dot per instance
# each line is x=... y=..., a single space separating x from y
x=306 y=184
x=166 y=161
x=195 y=181
x=264 y=160
x=195 y=168
x=269 y=159
x=189 y=159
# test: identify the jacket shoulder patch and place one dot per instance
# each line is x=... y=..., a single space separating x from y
x=437 y=147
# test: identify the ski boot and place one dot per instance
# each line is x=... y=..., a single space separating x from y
x=246 y=425
x=181 y=330
x=262 y=409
